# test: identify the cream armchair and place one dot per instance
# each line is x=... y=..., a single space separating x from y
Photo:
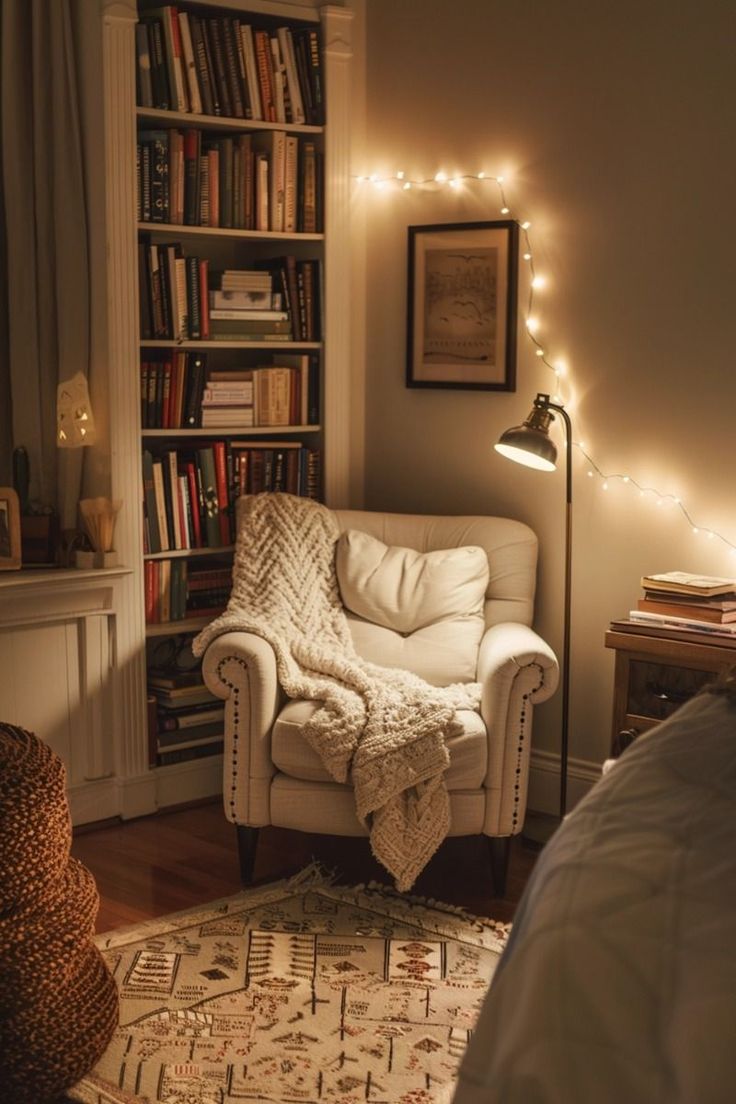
x=272 y=776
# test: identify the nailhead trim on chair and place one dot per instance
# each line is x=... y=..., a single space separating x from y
x=235 y=693
x=515 y=826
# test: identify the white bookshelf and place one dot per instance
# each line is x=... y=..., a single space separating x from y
x=134 y=789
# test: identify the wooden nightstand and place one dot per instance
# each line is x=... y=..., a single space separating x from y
x=654 y=676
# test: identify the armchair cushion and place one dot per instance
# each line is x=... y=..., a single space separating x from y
x=294 y=756
x=421 y=611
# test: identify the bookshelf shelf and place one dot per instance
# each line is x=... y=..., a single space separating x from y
x=189 y=553
x=182 y=230
x=284 y=346
x=230 y=431
x=152 y=115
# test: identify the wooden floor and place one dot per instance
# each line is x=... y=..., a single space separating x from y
x=174 y=860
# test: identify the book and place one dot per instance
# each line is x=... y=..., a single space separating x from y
x=682 y=582
x=235 y=417
x=272 y=143
x=182 y=695
x=683 y=622
x=159 y=73
x=296 y=114
x=213 y=33
x=674 y=632
x=701 y=612
x=251 y=70
x=189 y=63
x=171 y=720
x=202 y=62
x=206 y=465
x=246 y=314
x=241 y=300
x=144 y=86
x=721 y=602
x=203 y=750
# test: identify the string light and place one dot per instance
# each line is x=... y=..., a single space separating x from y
x=559 y=368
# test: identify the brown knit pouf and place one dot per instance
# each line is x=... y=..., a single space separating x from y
x=58 y=1002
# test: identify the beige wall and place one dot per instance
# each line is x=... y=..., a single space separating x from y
x=613 y=123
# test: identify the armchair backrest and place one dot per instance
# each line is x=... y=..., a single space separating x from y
x=511 y=547
x=447 y=651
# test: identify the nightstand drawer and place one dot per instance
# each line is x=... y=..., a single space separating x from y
x=656 y=690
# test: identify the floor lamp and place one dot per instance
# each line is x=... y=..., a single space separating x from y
x=530 y=444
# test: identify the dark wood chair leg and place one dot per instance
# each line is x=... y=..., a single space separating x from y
x=500 y=849
x=247 y=843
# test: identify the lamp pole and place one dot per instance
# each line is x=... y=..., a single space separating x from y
x=566 y=601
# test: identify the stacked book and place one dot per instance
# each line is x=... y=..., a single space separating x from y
x=678 y=605
x=186 y=721
x=241 y=308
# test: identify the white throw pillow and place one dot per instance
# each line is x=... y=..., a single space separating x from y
x=406 y=590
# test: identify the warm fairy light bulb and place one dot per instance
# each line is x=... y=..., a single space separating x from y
x=711 y=534
x=527 y=256
x=525 y=225
x=400 y=174
x=540 y=352
x=590 y=474
x=532 y=324
x=504 y=210
x=695 y=529
x=379 y=184
x=605 y=486
x=499 y=180
x=455 y=182
x=441 y=177
x=481 y=176
x=407 y=186
x=361 y=179
x=626 y=479
x=539 y=282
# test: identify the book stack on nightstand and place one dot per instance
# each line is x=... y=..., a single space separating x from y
x=680 y=606
x=681 y=636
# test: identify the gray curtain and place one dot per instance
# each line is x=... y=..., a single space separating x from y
x=47 y=292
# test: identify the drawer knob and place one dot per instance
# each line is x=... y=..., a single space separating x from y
x=677 y=697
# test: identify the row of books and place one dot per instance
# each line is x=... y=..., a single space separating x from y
x=189 y=494
x=175 y=590
x=264 y=181
x=179 y=391
x=679 y=605
x=185 y=721
x=221 y=65
x=175 y=303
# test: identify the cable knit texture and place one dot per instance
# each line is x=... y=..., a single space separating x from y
x=379 y=728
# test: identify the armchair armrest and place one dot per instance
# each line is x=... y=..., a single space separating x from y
x=517 y=670
x=241 y=668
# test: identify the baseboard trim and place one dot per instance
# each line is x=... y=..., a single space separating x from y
x=544 y=781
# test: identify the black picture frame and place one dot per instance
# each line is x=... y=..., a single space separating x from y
x=462 y=305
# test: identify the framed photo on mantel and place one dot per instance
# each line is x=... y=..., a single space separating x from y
x=462 y=300
x=9 y=529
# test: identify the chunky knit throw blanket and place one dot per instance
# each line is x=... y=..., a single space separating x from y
x=381 y=729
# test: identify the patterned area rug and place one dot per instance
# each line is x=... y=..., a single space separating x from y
x=296 y=992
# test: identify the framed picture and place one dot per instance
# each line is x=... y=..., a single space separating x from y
x=462 y=306
x=9 y=529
